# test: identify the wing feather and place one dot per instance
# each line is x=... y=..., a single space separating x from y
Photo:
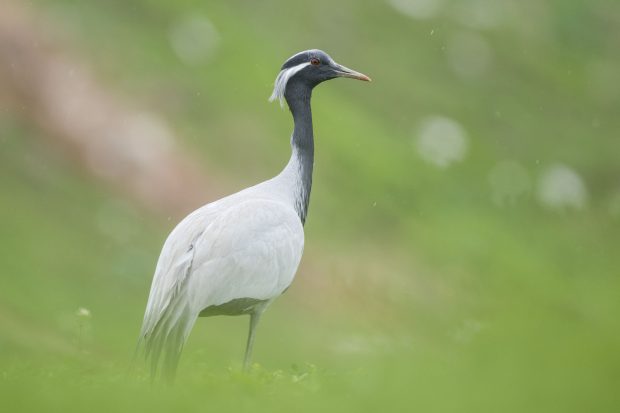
x=221 y=252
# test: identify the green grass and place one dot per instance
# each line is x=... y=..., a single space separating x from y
x=416 y=291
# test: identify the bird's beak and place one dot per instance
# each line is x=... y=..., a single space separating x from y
x=342 y=71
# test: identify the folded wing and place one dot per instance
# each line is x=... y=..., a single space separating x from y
x=245 y=250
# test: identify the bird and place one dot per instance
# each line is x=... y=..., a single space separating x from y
x=235 y=255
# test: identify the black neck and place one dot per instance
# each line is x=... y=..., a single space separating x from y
x=298 y=98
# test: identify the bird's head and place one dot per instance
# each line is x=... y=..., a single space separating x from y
x=306 y=70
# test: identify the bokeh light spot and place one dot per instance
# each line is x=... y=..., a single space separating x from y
x=614 y=205
x=469 y=54
x=560 y=187
x=417 y=9
x=441 y=141
x=482 y=14
x=194 y=39
x=509 y=180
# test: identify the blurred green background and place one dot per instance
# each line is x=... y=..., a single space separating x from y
x=462 y=243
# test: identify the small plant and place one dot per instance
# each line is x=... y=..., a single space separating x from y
x=83 y=320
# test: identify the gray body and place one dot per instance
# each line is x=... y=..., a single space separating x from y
x=236 y=255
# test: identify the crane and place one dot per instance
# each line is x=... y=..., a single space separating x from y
x=234 y=256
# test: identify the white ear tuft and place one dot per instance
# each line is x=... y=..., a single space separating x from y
x=279 y=86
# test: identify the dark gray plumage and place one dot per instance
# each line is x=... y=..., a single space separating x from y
x=297 y=91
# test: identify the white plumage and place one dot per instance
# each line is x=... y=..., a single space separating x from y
x=282 y=80
x=245 y=246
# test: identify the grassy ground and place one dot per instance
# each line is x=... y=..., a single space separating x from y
x=416 y=290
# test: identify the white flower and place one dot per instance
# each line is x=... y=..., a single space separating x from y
x=83 y=312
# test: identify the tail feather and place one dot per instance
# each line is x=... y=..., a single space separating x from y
x=167 y=337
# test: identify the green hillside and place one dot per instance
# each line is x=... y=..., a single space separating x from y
x=461 y=247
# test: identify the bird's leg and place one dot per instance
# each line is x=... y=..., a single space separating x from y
x=254 y=318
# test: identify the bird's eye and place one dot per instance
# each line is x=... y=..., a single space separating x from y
x=315 y=62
